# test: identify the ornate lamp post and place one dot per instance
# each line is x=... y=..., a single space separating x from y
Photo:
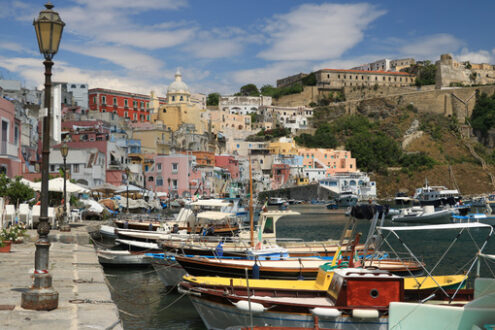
x=127 y=173
x=42 y=296
x=64 y=151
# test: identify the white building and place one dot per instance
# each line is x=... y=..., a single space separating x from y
x=243 y=105
x=386 y=65
x=358 y=183
x=79 y=94
x=85 y=165
x=293 y=118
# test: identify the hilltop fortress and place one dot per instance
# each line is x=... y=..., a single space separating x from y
x=451 y=73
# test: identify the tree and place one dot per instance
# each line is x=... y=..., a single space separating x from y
x=213 y=99
x=249 y=90
x=18 y=192
x=374 y=151
x=483 y=116
x=15 y=190
x=268 y=90
x=324 y=138
x=309 y=80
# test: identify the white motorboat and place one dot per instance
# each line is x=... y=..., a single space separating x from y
x=423 y=214
x=122 y=257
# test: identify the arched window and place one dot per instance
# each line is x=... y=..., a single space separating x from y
x=182 y=98
x=173 y=98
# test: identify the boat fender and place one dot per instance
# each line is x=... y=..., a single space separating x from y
x=244 y=306
x=325 y=312
x=365 y=313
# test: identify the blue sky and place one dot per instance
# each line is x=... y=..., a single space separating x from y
x=220 y=45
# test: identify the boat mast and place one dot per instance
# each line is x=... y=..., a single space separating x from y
x=251 y=225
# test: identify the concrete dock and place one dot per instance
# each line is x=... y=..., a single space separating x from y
x=84 y=298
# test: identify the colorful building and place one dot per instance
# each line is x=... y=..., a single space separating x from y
x=174 y=174
x=180 y=109
x=10 y=146
x=132 y=106
x=230 y=163
x=320 y=163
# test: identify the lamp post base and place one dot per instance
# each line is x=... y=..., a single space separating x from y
x=41 y=296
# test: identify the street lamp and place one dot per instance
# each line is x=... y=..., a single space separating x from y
x=127 y=172
x=42 y=296
x=64 y=151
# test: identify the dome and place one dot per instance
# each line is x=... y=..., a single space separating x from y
x=178 y=86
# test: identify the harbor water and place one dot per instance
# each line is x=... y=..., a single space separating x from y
x=144 y=302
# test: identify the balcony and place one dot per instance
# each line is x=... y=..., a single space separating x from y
x=8 y=149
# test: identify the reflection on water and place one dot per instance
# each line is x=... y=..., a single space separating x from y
x=143 y=300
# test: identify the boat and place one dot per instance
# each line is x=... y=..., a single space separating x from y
x=362 y=303
x=276 y=201
x=474 y=217
x=111 y=257
x=437 y=195
x=346 y=199
x=352 y=298
x=287 y=269
x=423 y=214
x=267 y=233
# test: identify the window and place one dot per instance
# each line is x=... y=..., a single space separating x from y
x=114 y=101
x=174 y=184
x=72 y=86
x=175 y=167
x=159 y=181
x=126 y=114
x=104 y=100
x=173 y=98
x=268 y=229
x=94 y=99
x=126 y=103
x=16 y=134
x=135 y=116
x=182 y=98
x=142 y=104
x=158 y=166
x=52 y=168
x=83 y=86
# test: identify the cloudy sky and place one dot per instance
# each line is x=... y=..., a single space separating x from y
x=220 y=45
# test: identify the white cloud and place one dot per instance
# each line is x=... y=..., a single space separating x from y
x=127 y=58
x=31 y=70
x=481 y=56
x=214 y=48
x=318 y=32
x=431 y=47
x=270 y=73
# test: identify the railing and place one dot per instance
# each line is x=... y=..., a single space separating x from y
x=8 y=149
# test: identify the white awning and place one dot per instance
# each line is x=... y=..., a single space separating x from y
x=211 y=202
x=213 y=215
x=437 y=227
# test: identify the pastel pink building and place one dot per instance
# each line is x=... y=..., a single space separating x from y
x=175 y=174
x=280 y=175
x=230 y=163
x=331 y=160
x=10 y=145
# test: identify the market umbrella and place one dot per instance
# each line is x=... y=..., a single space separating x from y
x=105 y=188
x=57 y=185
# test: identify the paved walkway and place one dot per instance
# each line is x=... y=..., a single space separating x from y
x=84 y=298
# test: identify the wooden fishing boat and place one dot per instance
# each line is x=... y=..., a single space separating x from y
x=122 y=258
x=361 y=303
x=292 y=268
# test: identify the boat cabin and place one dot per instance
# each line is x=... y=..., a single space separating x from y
x=357 y=288
x=267 y=224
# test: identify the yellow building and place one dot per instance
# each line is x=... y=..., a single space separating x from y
x=284 y=146
x=179 y=108
x=155 y=139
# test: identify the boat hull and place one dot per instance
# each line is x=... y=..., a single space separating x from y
x=170 y=272
x=434 y=218
x=117 y=258
x=220 y=316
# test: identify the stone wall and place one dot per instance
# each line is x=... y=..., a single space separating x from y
x=450 y=72
x=307 y=193
x=452 y=101
x=308 y=95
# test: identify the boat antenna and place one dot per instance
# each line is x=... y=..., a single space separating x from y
x=251 y=225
